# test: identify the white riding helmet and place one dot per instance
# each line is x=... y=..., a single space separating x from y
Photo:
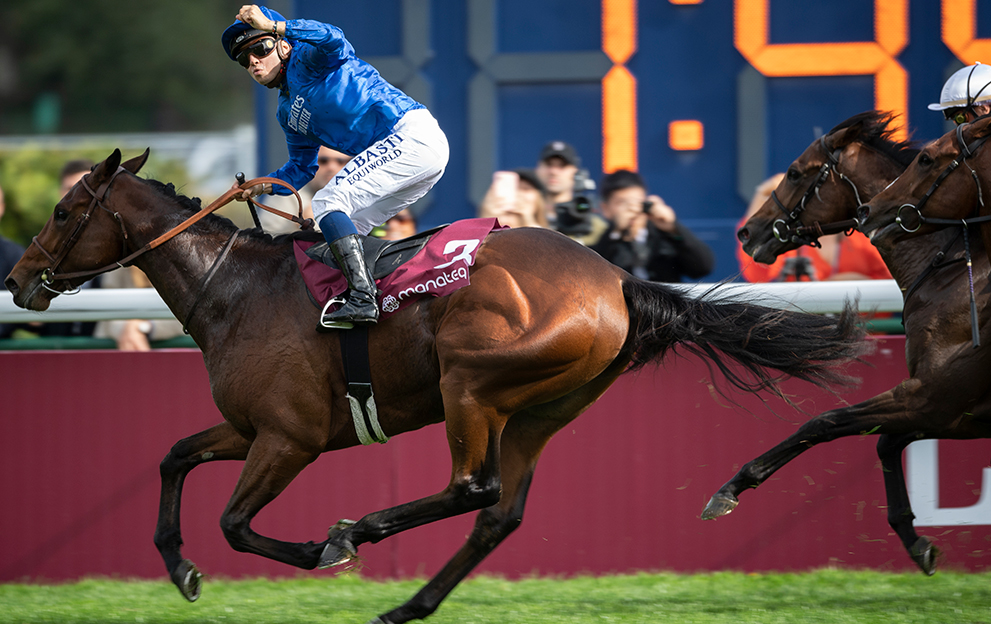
x=966 y=87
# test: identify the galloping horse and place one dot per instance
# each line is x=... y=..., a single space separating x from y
x=541 y=332
x=946 y=395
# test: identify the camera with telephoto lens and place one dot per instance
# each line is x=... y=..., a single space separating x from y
x=575 y=217
x=797 y=267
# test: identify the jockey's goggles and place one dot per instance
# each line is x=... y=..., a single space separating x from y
x=957 y=115
x=260 y=49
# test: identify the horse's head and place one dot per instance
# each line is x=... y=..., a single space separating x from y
x=932 y=189
x=825 y=185
x=83 y=233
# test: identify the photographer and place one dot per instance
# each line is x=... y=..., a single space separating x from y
x=645 y=237
x=571 y=194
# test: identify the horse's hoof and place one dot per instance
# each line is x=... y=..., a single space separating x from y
x=187 y=578
x=719 y=505
x=924 y=554
x=336 y=554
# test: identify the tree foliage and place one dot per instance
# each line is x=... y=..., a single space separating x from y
x=113 y=66
x=30 y=181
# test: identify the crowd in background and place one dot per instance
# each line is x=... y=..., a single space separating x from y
x=620 y=219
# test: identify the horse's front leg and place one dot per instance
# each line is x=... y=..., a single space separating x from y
x=220 y=442
x=272 y=463
x=900 y=516
x=886 y=413
x=474 y=438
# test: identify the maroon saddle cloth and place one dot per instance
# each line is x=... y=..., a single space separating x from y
x=432 y=264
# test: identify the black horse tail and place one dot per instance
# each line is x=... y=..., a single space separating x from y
x=761 y=339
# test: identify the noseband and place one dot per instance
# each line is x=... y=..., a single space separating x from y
x=49 y=276
x=809 y=235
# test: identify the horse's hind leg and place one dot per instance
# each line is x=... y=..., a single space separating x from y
x=522 y=442
x=220 y=442
x=900 y=516
x=473 y=435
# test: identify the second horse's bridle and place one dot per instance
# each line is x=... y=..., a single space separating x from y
x=783 y=229
x=966 y=152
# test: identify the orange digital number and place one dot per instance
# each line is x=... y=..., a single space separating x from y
x=877 y=58
x=960 y=32
x=619 y=87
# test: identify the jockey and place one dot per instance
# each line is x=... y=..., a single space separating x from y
x=966 y=94
x=328 y=96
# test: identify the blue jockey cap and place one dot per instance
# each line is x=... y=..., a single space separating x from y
x=239 y=33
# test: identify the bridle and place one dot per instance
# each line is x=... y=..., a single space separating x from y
x=49 y=276
x=966 y=152
x=809 y=234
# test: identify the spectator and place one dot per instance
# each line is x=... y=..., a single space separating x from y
x=645 y=237
x=72 y=172
x=10 y=253
x=134 y=334
x=570 y=191
x=966 y=95
x=841 y=257
x=399 y=226
x=517 y=198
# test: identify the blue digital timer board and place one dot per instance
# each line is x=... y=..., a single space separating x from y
x=705 y=98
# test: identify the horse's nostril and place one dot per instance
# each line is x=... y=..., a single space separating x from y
x=863 y=212
x=743 y=235
x=12 y=286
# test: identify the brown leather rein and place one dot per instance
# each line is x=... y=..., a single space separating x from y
x=49 y=276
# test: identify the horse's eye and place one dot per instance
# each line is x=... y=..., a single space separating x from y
x=794 y=175
x=61 y=214
x=925 y=160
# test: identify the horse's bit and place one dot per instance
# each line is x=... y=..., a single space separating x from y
x=782 y=228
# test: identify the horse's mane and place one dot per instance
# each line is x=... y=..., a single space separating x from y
x=193 y=204
x=877 y=133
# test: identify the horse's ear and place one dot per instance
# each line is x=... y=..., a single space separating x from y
x=135 y=164
x=846 y=136
x=981 y=127
x=105 y=169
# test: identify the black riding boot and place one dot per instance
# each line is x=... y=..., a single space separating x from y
x=361 y=307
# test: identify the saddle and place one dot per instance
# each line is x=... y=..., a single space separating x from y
x=382 y=256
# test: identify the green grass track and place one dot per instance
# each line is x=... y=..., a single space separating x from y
x=822 y=596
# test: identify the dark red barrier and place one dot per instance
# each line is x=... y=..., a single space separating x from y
x=82 y=434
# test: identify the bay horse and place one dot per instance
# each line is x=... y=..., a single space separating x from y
x=946 y=395
x=543 y=329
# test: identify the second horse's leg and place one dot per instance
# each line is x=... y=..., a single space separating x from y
x=885 y=413
x=900 y=516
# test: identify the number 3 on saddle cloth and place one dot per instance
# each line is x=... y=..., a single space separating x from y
x=431 y=264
